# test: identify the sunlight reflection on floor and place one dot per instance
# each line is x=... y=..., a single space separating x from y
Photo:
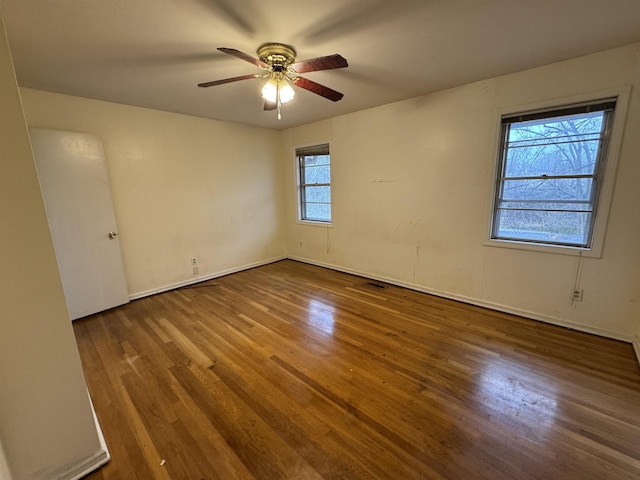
x=321 y=316
x=511 y=398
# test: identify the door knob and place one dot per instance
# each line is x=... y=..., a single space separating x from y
x=112 y=235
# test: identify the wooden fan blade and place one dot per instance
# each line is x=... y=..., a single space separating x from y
x=320 y=63
x=245 y=57
x=318 y=89
x=270 y=105
x=228 y=80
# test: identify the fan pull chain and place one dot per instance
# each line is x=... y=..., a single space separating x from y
x=278 y=102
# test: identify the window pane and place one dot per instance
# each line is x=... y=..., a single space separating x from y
x=560 y=146
x=543 y=226
x=552 y=160
x=319 y=174
x=317 y=211
x=584 y=206
x=318 y=194
x=552 y=189
x=316 y=160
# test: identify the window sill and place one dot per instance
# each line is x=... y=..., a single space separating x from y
x=313 y=223
x=537 y=247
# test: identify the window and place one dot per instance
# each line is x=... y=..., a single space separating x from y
x=550 y=174
x=314 y=170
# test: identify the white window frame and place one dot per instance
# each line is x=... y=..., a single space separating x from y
x=608 y=173
x=300 y=186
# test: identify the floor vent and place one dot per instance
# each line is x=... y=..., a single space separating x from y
x=375 y=285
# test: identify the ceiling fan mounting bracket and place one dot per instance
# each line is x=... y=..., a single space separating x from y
x=278 y=55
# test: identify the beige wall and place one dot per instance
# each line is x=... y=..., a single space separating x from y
x=182 y=187
x=412 y=189
x=45 y=417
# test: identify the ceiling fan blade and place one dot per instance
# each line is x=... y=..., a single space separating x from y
x=228 y=80
x=245 y=57
x=318 y=89
x=270 y=105
x=320 y=63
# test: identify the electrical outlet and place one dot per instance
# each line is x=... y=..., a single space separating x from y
x=577 y=295
x=194 y=261
x=195 y=270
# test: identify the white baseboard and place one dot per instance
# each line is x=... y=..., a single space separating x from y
x=82 y=468
x=203 y=278
x=5 y=474
x=439 y=293
x=89 y=464
x=480 y=303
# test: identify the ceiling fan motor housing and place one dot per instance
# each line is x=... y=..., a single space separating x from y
x=277 y=55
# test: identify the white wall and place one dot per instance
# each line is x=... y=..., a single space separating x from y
x=412 y=189
x=46 y=423
x=182 y=187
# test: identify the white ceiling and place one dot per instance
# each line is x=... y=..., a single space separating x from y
x=152 y=53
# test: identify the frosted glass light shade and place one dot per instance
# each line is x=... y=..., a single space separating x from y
x=271 y=87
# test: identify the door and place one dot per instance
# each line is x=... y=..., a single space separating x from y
x=75 y=187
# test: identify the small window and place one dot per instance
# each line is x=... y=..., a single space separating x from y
x=314 y=170
x=550 y=174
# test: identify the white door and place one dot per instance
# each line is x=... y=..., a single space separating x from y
x=75 y=187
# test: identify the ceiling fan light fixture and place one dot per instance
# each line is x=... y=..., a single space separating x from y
x=277 y=87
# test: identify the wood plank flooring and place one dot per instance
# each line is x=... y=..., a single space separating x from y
x=298 y=372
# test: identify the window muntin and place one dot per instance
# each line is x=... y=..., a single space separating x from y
x=549 y=176
x=314 y=171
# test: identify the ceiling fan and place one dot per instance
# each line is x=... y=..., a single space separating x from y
x=282 y=71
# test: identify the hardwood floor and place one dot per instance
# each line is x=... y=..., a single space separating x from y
x=294 y=371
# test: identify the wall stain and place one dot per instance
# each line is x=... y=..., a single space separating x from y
x=417 y=262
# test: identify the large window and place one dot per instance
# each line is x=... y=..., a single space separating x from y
x=314 y=171
x=550 y=174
